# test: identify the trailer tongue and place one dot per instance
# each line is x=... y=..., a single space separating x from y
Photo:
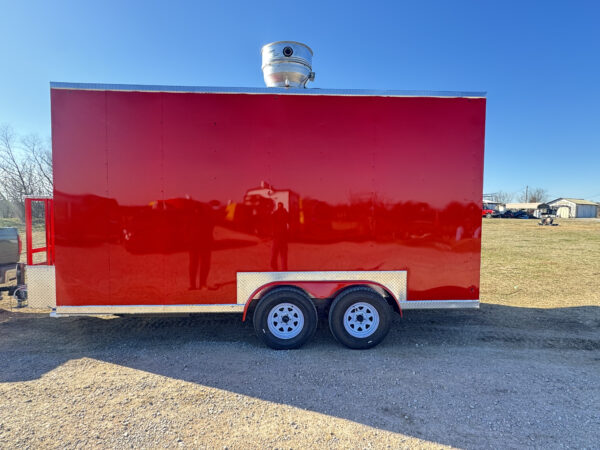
x=278 y=203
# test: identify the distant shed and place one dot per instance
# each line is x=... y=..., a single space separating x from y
x=574 y=208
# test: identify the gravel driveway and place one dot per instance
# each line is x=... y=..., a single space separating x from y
x=498 y=377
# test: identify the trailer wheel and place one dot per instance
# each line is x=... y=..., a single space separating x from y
x=359 y=318
x=285 y=318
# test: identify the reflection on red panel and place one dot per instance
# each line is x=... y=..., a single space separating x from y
x=161 y=198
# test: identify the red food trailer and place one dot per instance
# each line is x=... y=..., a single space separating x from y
x=274 y=202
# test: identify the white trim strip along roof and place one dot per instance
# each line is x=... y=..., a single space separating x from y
x=262 y=90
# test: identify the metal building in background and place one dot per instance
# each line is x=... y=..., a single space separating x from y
x=574 y=208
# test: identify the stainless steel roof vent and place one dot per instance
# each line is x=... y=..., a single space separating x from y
x=287 y=64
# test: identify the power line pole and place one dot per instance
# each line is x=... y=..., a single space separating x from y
x=526 y=194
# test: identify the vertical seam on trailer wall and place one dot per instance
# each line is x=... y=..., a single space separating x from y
x=107 y=187
x=373 y=178
x=162 y=182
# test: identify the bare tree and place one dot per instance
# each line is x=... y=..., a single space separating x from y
x=25 y=169
x=533 y=195
x=501 y=197
x=40 y=156
x=7 y=209
x=16 y=174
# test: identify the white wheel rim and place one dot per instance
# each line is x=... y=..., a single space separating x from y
x=361 y=320
x=285 y=321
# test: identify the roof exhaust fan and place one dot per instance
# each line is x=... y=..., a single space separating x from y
x=287 y=64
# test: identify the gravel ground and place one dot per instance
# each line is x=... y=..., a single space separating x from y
x=498 y=377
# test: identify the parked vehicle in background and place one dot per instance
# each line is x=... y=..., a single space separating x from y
x=512 y=214
x=521 y=214
x=508 y=214
x=11 y=272
x=488 y=209
x=547 y=215
x=546 y=210
x=487 y=212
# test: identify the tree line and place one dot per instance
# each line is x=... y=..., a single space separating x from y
x=25 y=170
x=527 y=195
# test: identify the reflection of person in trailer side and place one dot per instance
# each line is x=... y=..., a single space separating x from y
x=200 y=241
x=281 y=225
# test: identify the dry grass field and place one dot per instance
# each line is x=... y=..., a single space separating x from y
x=39 y=237
x=527 y=265
x=521 y=372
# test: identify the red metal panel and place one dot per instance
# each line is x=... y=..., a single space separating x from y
x=170 y=187
x=135 y=181
x=81 y=197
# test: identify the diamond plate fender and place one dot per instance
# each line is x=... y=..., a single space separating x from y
x=322 y=284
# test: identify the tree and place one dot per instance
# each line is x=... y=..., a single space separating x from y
x=533 y=195
x=501 y=197
x=25 y=169
x=40 y=156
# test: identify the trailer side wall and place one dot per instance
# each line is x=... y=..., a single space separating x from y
x=157 y=193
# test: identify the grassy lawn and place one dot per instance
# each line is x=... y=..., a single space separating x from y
x=524 y=264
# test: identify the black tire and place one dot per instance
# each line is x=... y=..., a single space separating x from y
x=305 y=326
x=370 y=310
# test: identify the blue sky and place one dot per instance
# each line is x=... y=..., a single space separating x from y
x=538 y=61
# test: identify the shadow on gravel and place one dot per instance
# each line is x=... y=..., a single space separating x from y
x=462 y=378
